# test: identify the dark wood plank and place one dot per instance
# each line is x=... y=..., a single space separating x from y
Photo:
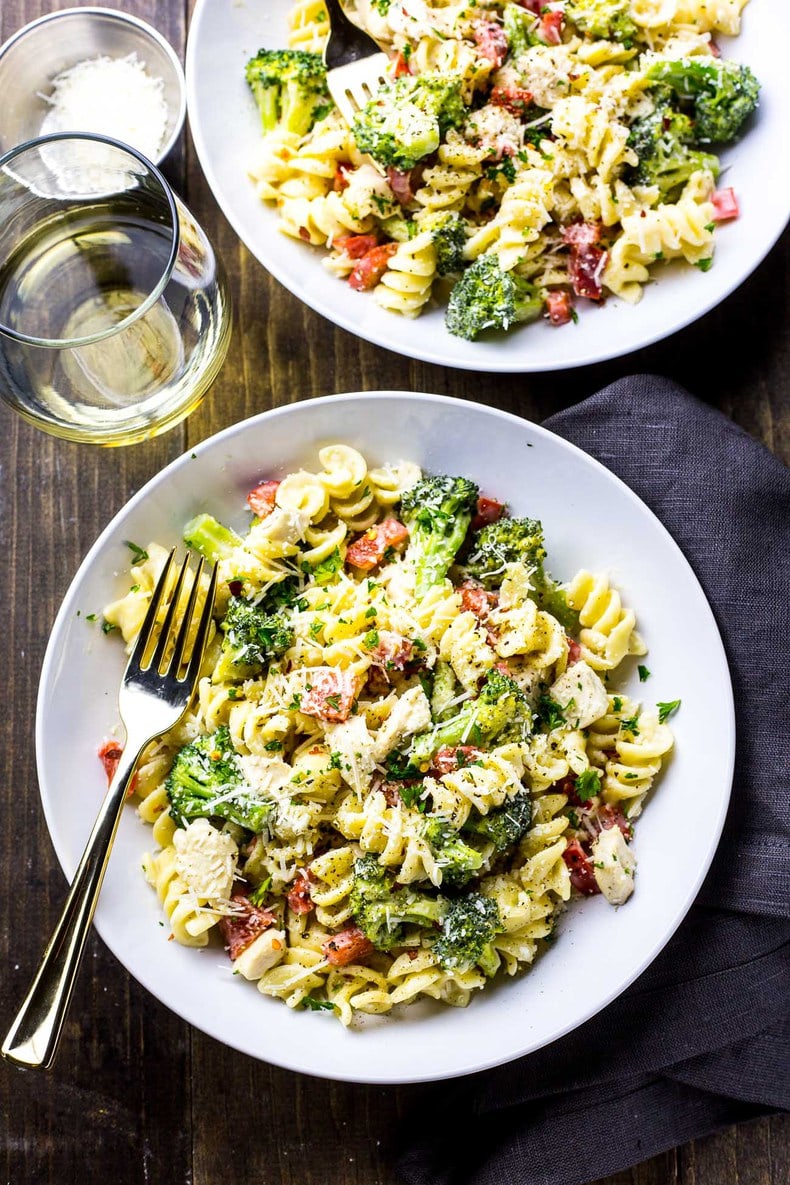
x=137 y=1096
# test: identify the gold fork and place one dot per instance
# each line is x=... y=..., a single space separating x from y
x=154 y=695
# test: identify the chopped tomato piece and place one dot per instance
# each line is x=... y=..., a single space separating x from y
x=489 y=510
x=329 y=694
x=452 y=757
x=261 y=500
x=370 y=549
x=402 y=184
x=533 y=6
x=475 y=599
x=513 y=98
x=401 y=66
x=356 y=246
x=110 y=755
x=551 y=24
x=371 y=267
x=298 y=895
x=235 y=587
x=242 y=927
x=725 y=205
x=581 y=869
x=491 y=41
x=574 y=651
x=559 y=306
x=349 y=946
x=341 y=181
x=393 y=650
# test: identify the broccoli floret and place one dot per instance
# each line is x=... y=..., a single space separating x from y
x=458 y=861
x=519 y=540
x=609 y=19
x=214 y=541
x=381 y=911
x=662 y=142
x=499 y=714
x=252 y=638
x=289 y=86
x=206 y=781
x=520 y=29
x=444 y=691
x=505 y=825
x=407 y=118
x=487 y=297
x=722 y=94
x=468 y=931
x=449 y=236
x=437 y=512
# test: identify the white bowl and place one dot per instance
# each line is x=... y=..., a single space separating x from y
x=226 y=131
x=592 y=520
x=36 y=54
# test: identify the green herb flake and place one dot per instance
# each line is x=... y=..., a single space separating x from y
x=312 y=1005
x=258 y=895
x=139 y=554
x=588 y=784
x=667 y=709
x=644 y=673
x=273 y=746
x=108 y=628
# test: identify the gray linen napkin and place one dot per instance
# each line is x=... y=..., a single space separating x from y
x=702 y=1039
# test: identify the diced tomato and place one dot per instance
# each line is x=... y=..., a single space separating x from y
x=402 y=184
x=513 y=98
x=110 y=755
x=581 y=869
x=329 y=694
x=452 y=757
x=574 y=651
x=551 y=25
x=340 y=181
x=242 y=927
x=355 y=246
x=393 y=650
x=533 y=6
x=235 y=587
x=559 y=306
x=261 y=500
x=475 y=599
x=491 y=40
x=612 y=816
x=370 y=549
x=298 y=895
x=349 y=946
x=401 y=66
x=371 y=267
x=587 y=260
x=489 y=510
x=725 y=205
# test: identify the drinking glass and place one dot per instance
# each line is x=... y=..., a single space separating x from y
x=114 y=310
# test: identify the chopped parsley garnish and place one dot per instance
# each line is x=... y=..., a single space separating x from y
x=313 y=1005
x=108 y=627
x=335 y=761
x=617 y=704
x=90 y=616
x=644 y=673
x=665 y=710
x=550 y=712
x=258 y=895
x=631 y=724
x=139 y=554
x=371 y=639
x=372 y=611
x=333 y=701
x=273 y=746
x=588 y=784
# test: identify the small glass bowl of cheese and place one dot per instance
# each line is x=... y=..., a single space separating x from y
x=92 y=70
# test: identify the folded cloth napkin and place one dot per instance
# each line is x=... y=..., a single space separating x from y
x=702 y=1039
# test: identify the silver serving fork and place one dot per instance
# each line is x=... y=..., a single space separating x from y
x=155 y=693
x=356 y=66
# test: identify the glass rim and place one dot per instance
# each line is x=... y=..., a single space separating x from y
x=72 y=343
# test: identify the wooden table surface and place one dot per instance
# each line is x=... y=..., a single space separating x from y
x=137 y=1096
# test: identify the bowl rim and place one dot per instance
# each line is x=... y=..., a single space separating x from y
x=128 y=19
x=340 y=1071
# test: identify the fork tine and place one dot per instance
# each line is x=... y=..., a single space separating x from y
x=201 y=636
x=167 y=624
x=149 y=621
x=183 y=633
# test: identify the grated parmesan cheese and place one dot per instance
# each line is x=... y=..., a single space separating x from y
x=113 y=97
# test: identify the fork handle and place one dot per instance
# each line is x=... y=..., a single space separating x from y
x=33 y=1038
x=347 y=42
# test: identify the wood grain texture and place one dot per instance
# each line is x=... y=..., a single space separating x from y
x=137 y=1097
